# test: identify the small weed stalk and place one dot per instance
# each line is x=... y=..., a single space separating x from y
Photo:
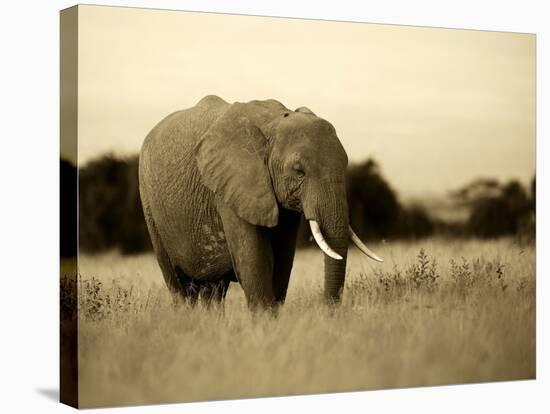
x=461 y=275
x=499 y=270
x=423 y=274
x=489 y=273
x=390 y=281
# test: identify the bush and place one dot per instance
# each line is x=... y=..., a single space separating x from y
x=413 y=222
x=67 y=207
x=500 y=214
x=373 y=205
x=110 y=211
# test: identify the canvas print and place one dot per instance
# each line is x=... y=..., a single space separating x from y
x=258 y=206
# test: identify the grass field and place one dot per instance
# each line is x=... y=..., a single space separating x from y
x=437 y=312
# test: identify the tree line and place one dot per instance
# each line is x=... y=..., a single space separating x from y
x=111 y=217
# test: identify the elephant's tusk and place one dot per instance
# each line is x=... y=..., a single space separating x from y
x=357 y=241
x=318 y=236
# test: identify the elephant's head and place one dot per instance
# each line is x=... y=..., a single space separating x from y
x=261 y=156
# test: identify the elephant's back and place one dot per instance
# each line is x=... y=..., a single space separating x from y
x=172 y=141
x=182 y=128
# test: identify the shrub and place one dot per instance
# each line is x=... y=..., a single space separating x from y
x=498 y=210
x=423 y=274
x=111 y=215
x=373 y=204
x=67 y=206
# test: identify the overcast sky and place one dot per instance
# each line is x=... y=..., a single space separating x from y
x=435 y=107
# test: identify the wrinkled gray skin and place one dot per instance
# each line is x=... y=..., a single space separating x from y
x=223 y=187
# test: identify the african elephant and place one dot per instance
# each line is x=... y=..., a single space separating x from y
x=223 y=187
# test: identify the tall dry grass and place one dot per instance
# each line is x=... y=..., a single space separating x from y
x=437 y=312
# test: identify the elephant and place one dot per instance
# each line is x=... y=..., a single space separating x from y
x=223 y=188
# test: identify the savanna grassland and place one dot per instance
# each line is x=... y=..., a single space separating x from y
x=436 y=312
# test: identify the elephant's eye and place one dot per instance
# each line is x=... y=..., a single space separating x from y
x=298 y=169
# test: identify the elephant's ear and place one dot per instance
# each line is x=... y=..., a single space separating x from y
x=231 y=157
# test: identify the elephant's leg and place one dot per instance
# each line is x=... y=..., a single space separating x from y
x=168 y=271
x=252 y=257
x=283 y=240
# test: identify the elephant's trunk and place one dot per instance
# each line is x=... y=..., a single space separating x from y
x=330 y=213
x=335 y=270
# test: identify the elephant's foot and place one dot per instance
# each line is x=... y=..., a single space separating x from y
x=264 y=307
x=262 y=303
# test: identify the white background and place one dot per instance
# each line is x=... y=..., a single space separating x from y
x=29 y=206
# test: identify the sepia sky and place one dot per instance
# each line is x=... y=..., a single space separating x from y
x=435 y=107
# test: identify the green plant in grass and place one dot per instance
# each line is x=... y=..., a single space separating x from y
x=423 y=274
